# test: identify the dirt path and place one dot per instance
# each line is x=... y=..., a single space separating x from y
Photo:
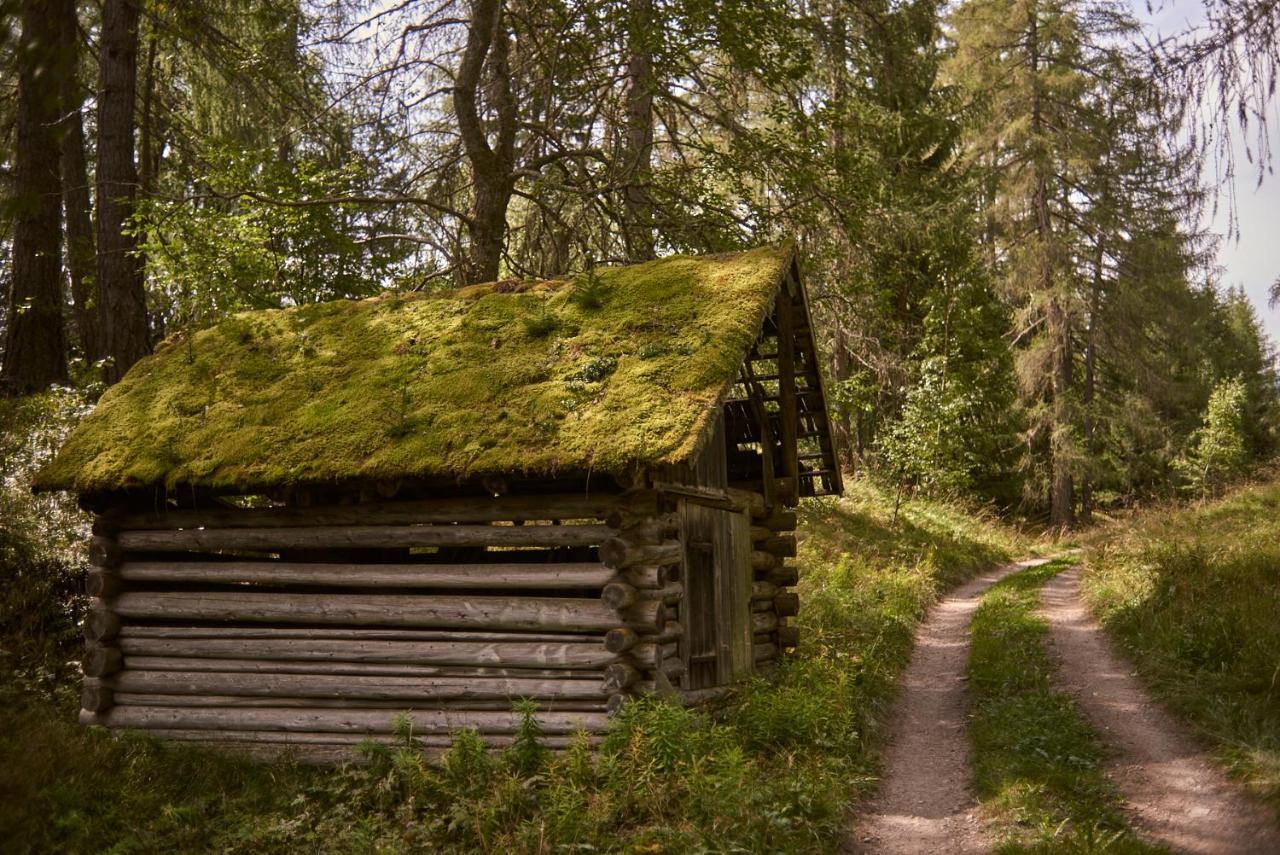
x=1177 y=795
x=926 y=801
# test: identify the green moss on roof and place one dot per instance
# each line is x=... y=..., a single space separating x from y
x=492 y=378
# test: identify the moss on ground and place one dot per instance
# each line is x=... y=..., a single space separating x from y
x=505 y=377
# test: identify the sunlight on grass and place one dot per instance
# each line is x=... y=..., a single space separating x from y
x=1193 y=596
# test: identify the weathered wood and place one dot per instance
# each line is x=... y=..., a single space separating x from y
x=385 y=669
x=669 y=594
x=788 y=636
x=583 y=655
x=103 y=584
x=780 y=520
x=359 y=634
x=618 y=595
x=620 y=639
x=695 y=697
x=508 y=613
x=338 y=720
x=100 y=622
x=445 y=576
x=101 y=661
x=334 y=739
x=762 y=605
x=759 y=533
x=763 y=561
x=764 y=651
x=104 y=551
x=647 y=654
x=460 y=509
x=351 y=685
x=366 y=537
x=734 y=579
x=389 y=707
x=619 y=676
x=672 y=667
x=787 y=604
x=785 y=317
x=784 y=575
x=783 y=546
x=651 y=530
x=95 y=697
x=763 y=590
x=750 y=499
x=620 y=554
x=763 y=621
x=647 y=576
x=710 y=497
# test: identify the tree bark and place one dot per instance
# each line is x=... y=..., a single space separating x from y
x=121 y=296
x=1057 y=322
x=637 y=154
x=492 y=168
x=75 y=195
x=35 y=352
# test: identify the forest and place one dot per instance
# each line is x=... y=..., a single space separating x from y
x=998 y=204
x=1026 y=342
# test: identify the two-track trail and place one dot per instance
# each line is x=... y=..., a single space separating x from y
x=1174 y=793
x=926 y=802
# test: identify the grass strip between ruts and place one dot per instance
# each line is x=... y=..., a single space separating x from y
x=1038 y=761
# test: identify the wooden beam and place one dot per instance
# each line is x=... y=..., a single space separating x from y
x=365 y=536
x=463 y=612
x=460 y=509
x=531 y=576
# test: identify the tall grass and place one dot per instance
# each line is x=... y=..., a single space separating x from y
x=774 y=770
x=1193 y=595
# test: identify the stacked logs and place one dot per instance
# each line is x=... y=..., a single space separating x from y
x=772 y=603
x=201 y=628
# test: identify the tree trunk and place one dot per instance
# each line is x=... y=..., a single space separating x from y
x=492 y=168
x=1057 y=322
x=637 y=153
x=121 y=296
x=35 y=353
x=75 y=194
x=1090 y=360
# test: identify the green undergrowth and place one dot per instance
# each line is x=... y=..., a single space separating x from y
x=1193 y=597
x=1038 y=763
x=776 y=771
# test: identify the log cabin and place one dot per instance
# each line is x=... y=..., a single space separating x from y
x=310 y=520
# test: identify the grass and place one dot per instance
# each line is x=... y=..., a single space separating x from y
x=1038 y=762
x=776 y=771
x=1193 y=597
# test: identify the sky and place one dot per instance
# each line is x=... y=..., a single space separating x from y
x=1250 y=258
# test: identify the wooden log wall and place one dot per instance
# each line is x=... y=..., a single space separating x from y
x=773 y=604
x=315 y=627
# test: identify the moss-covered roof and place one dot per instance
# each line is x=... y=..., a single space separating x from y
x=528 y=378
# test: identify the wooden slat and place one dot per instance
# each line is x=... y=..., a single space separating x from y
x=461 y=509
x=533 y=576
x=496 y=654
x=338 y=720
x=465 y=612
x=325 y=537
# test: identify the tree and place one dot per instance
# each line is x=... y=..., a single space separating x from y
x=1218 y=451
x=81 y=258
x=122 y=301
x=35 y=350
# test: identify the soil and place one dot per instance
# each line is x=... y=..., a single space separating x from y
x=1175 y=793
x=926 y=801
